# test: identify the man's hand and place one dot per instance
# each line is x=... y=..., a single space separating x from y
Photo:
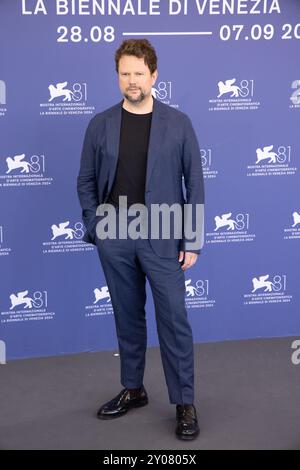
x=189 y=259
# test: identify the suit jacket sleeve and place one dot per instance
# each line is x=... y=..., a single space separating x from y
x=87 y=183
x=194 y=186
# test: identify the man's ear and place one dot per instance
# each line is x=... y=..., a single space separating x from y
x=154 y=76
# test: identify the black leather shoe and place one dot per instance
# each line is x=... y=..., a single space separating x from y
x=187 y=423
x=122 y=403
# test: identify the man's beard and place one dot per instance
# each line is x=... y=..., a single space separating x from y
x=135 y=98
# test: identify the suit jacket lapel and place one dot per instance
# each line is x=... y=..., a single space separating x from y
x=113 y=128
x=157 y=131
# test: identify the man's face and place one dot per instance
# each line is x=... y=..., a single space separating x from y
x=135 y=79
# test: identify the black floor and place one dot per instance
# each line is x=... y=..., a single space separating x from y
x=248 y=397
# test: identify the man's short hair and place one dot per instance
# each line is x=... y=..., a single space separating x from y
x=140 y=48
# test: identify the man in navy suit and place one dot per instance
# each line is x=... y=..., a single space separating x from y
x=138 y=151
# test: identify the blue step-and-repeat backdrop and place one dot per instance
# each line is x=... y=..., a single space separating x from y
x=233 y=67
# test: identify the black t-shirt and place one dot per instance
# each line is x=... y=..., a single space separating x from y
x=131 y=169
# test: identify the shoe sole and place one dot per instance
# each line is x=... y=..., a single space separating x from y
x=137 y=405
x=188 y=438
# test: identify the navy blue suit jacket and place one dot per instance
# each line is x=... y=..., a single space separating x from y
x=173 y=152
